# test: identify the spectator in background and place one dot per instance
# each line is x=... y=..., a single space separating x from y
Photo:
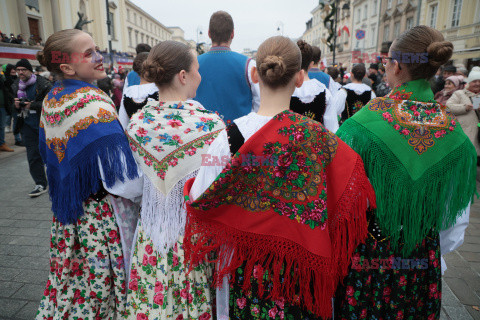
x=117 y=90
x=440 y=83
x=38 y=70
x=5 y=38
x=452 y=84
x=383 y=88
x=32 y=89
x=105 y=85
x=374 y=76
x=3 y=114
x=31 y=40
x=20 y=39
x=227 y=85
x=11 y=76
x=461 y=105
x=133 y=78
x=314 y=71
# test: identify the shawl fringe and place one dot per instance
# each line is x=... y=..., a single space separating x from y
x=68 y=193
x=309 y=281
x=407 y=209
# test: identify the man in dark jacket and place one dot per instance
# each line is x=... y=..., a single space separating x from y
x=30 y=90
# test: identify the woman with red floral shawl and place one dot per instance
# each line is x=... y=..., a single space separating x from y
x=280 y=201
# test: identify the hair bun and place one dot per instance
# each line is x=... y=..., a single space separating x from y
x=439 y=52
x=272 y=68
x=41 y=58
x=152 y=71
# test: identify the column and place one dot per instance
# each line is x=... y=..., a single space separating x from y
x=55 y=15
x=23 y=20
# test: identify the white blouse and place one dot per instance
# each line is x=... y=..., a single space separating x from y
x=138 y=93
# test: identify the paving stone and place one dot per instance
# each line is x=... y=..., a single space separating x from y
x=471 y=256
x=463 y=292
x=8 y=288
x=26 y=224
x=470 y=276
x=6 y=222
x=7 y=274
x=25 y=251
x=32 y=292
x=455 y=260
x=29 y=241
x=469 y=247
x=32 y=276
x=5 y=230
x=471 y=239
x=31 y=232
x=29 y=311
x=474 y=313
x=458 y=313
x=448 y=297
x=9 y=261
x=443 y=315
x=36 y=263
x=9 y=307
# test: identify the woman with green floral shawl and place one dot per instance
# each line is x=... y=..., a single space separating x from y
x=422 y=167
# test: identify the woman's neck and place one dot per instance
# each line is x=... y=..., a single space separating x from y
x=273 y=102
x=170 y=94
x=356 y=81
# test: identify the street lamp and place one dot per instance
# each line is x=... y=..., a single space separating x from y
x=280 y=27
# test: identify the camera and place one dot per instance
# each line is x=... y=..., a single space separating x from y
x=23 y=102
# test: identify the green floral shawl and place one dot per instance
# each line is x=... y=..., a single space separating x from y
x=418 y=159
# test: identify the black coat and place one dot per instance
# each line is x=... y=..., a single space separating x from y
x=42 y=87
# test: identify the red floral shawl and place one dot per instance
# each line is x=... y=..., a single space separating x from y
x=295 y=204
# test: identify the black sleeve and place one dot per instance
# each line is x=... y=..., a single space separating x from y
x=43 y=88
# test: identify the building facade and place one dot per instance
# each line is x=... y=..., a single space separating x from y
x=365 y=15
x=130 y=25
x=396 y=16
x=459 y=22
x=140 y=27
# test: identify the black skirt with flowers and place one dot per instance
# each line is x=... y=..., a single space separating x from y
x=383 y=285
x=249 y=306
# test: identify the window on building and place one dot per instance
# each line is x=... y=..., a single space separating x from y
x=433 y=15
x=457 y=10
x=396 y=29
x=386 y=34
x=399 y=2
x=130 y=37
x=374 y=9
x=128 y=15
x=135 y=18
x=359 y=11
x=409 y=23
x=136 y=38
x=389 y=4
x=112 y=25
x=141 y=22
x=365 y=12
x=142 y=37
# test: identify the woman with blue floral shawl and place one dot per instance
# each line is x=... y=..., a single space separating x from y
x=87 y=157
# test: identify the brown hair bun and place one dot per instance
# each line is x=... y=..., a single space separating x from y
x=422 y=50
x=272 y=68
x=278 y=60
x=439 y=53
x=165 y=60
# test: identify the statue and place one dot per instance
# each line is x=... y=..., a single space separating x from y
x=81 y=21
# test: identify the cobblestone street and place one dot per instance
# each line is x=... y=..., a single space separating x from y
x=24 y=239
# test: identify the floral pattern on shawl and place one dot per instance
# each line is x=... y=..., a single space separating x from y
x=167 y=138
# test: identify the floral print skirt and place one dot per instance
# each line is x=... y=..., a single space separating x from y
x=384 y=285
x=249 y=306
x=160 y=287
x=87 y=277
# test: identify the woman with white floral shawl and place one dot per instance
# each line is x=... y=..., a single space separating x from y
x=168 y=139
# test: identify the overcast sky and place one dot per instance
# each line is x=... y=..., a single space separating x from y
x=255 y=20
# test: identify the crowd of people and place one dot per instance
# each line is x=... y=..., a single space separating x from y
x=218 y=186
